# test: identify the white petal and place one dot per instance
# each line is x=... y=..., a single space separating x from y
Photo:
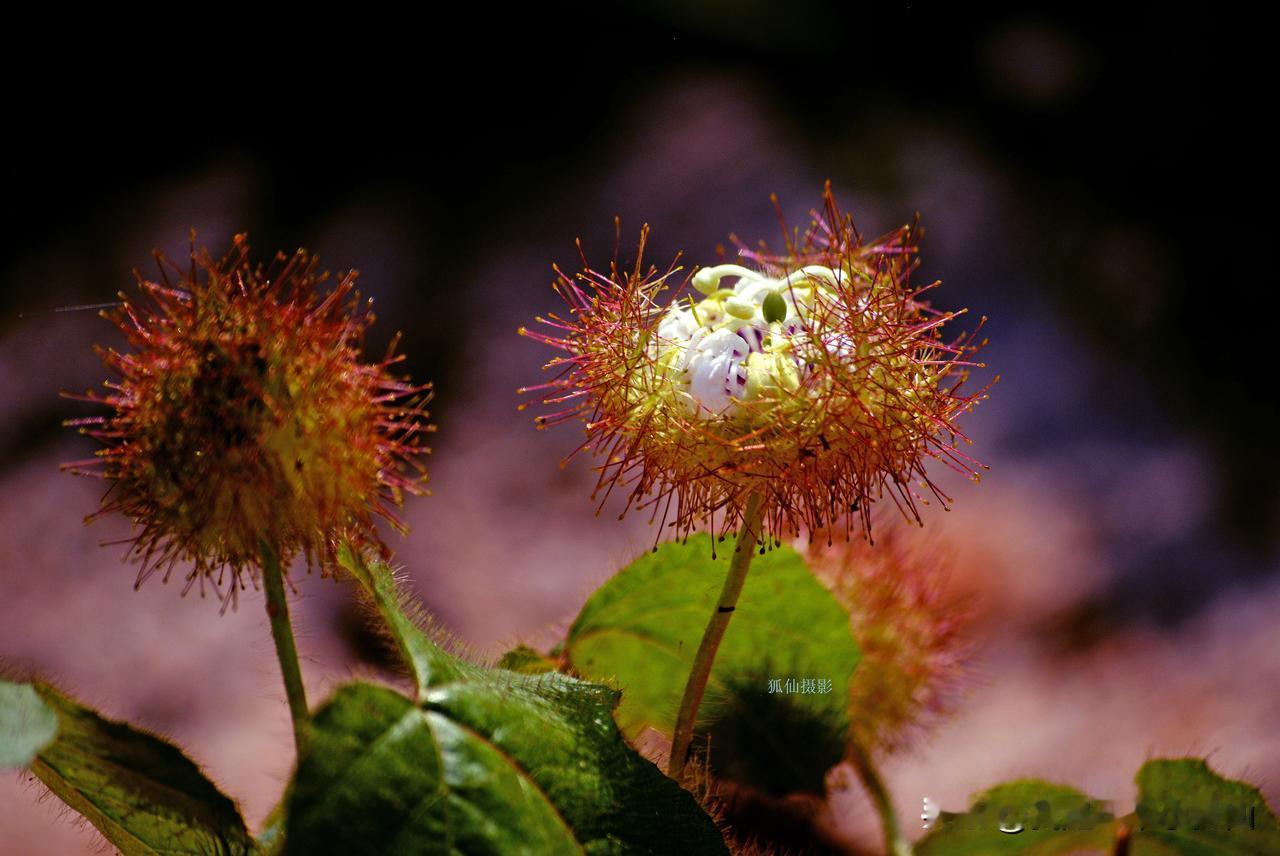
x=714 y=366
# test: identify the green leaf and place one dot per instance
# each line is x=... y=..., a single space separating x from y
x=1195 y=812
x=1183 y=809
x=143 y=794
x=642 y=627
x=485 y=761
x=27 y=724
x=1024 y=817
x=527 y=661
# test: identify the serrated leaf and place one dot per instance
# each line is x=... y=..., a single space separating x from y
x=1195 y=812
x=143 y=794
x=27 y=724
x=642 y=627
x=1024 y=818
x=485 y=761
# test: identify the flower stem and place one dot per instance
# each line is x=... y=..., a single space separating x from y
x=895 y=843
x=286 y=649
x=725 y=605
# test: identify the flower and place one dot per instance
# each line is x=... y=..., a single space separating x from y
x=244 y=419
x=817 y=379
x=913 y=633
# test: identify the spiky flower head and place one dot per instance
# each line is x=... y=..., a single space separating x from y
x=913 y=634
x=243 y=419
x=817 y=378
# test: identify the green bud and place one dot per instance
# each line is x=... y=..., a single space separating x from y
x=775 y=308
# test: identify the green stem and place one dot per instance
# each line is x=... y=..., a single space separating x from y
x=286 y=649
x=702 y=661
x=895 y=843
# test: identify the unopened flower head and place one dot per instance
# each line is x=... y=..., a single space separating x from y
x=914 y=635
x=817 y=378
x=243 y=419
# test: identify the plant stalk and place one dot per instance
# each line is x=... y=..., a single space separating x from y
x=702 y=661
x=286 y=648
x=895 y=843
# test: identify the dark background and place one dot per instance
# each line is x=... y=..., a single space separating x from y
x=1131 y=141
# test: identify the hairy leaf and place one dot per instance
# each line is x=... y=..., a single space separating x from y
x=1195 y=812
x=484 y=761
x=143 y=794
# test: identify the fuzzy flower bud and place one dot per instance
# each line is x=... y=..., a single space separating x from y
x=817 y=378
x=913 y=634
x=243 y=419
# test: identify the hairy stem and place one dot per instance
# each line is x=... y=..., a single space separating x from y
x=895 y=843
x=702 y=661
x=286 y=649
